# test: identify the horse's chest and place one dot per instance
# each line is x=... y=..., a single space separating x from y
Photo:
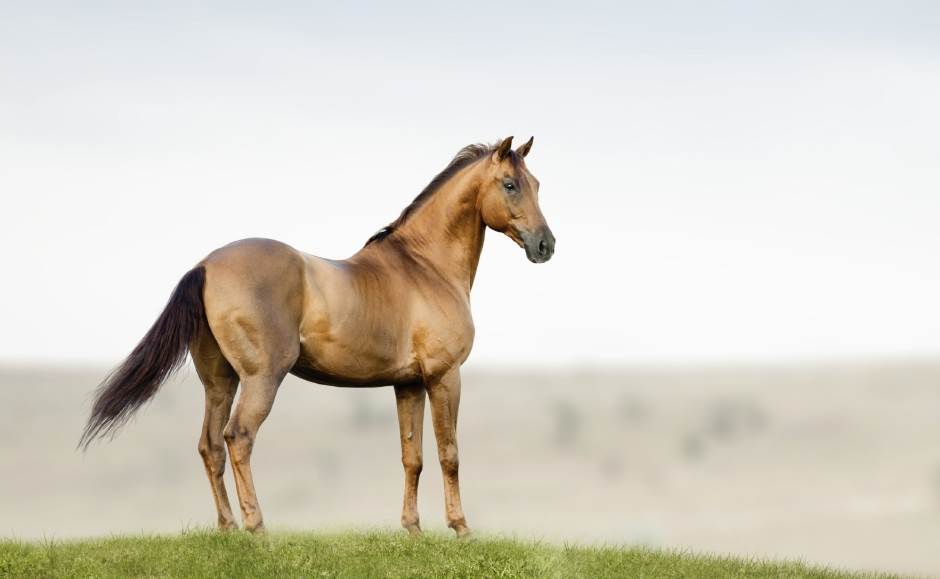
x=443 y=335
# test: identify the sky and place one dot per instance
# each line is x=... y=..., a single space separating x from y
x=727 y=181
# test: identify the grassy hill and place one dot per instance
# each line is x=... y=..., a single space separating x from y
x=367 y=554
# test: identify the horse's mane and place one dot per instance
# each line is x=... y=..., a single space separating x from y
x=466 y=156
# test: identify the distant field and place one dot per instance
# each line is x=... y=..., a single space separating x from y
x=375 y=554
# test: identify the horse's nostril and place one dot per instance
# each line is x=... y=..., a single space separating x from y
x=543 y=248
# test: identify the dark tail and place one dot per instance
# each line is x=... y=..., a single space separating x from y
x=156 y=357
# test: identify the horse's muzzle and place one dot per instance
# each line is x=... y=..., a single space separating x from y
x=539 y=246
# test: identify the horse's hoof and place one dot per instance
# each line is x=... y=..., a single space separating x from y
x=227 y=526
x=413 y=530
x=257 y=529
x=463 y=532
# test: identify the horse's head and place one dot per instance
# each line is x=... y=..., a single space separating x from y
x=509 y=201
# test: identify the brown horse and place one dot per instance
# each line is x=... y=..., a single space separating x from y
x=397 y=313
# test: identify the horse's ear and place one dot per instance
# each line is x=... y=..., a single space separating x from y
x=502 y=150
x=524 y=149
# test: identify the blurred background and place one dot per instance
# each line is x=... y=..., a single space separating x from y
x=735 y=349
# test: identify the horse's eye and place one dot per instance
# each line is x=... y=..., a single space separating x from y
x=509 y=185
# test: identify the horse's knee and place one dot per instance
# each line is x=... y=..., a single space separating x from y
x=412 y=464
x=203 y=448
x=449 y=459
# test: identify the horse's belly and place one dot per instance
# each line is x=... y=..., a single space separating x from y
x=340 y=363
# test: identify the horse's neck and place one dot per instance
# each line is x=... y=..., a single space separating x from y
x=447 y=231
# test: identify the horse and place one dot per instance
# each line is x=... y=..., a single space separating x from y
x=397 y=313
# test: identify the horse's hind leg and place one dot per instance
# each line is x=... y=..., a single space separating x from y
x=253 y=407
x=262 y=344
x=220 y=382
x=410 y=400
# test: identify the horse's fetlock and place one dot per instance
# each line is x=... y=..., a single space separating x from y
x=410 y=520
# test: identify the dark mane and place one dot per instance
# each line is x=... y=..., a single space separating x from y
x=466 y=156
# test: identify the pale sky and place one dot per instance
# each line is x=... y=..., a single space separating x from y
x=734 y=181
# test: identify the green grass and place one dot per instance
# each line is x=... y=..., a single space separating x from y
x=366 y=554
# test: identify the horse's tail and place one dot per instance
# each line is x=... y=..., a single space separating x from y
x=160 y=353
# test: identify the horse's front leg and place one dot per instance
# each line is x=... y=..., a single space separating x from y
x=445 y=400
x=410 y=401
